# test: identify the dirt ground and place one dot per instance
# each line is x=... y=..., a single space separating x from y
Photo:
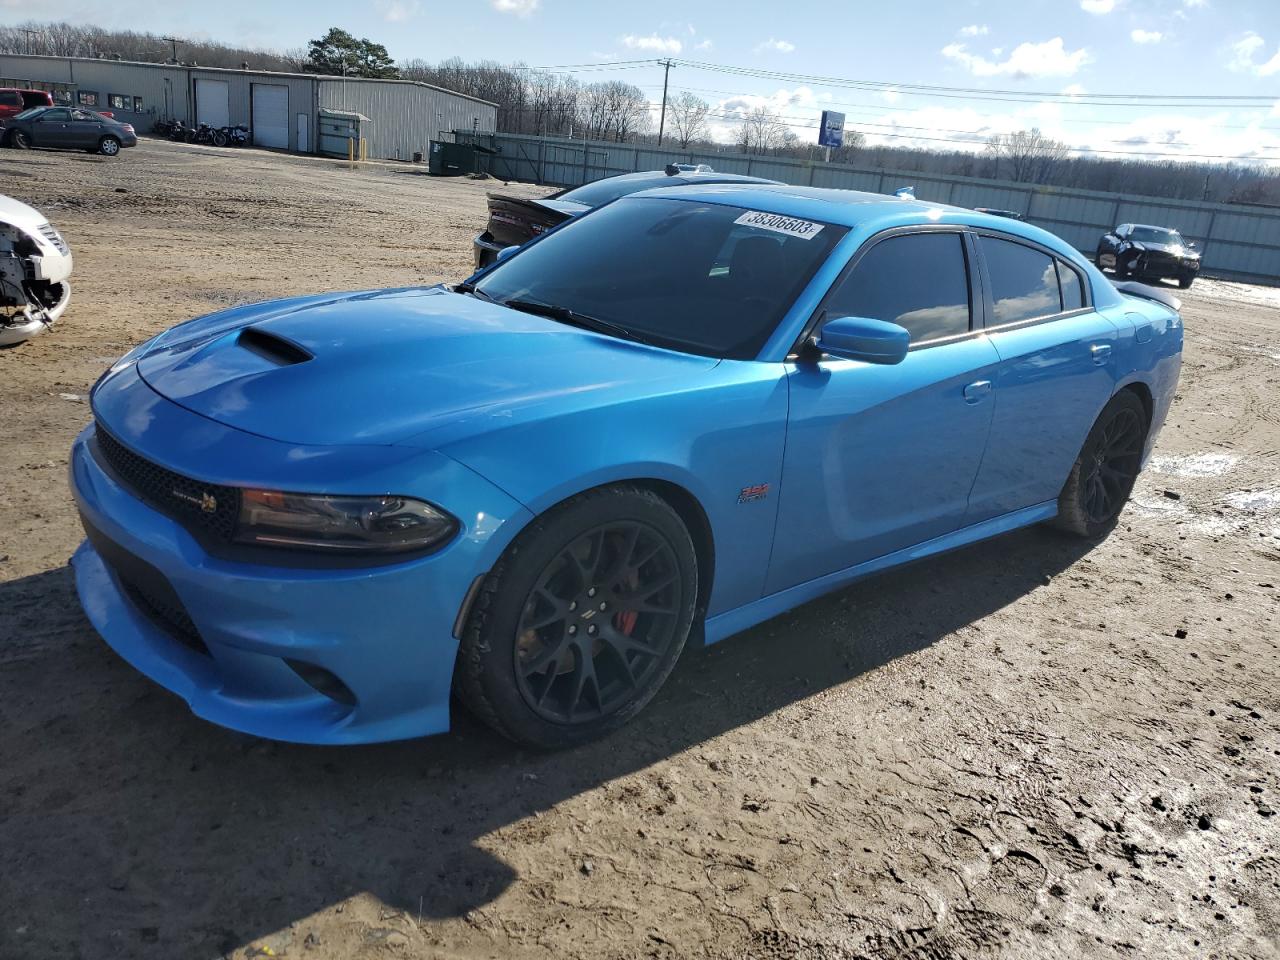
x=1028 y=748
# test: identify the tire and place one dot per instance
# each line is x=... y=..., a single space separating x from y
x=537 y=662
x=109 y=146
x=1103 y=475
x=19 y=140
x=220 y=139
x=1185 y=282
x=1097 y=259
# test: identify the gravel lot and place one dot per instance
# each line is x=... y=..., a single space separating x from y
x=1024 y=749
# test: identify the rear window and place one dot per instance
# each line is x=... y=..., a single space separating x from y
x=10 y=98
x=1024 y=281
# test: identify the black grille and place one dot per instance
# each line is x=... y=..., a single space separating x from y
x=148 y=589
x=201 y=507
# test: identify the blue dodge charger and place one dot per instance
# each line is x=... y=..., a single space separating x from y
x=677 y=415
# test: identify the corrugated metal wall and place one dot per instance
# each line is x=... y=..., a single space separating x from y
x=162 y=90
x=406 y=116
x=1239 y=242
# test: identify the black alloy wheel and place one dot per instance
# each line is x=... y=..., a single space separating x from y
x=598 y=622
x=20 y=140
x=581 y=621
x=1103 y=476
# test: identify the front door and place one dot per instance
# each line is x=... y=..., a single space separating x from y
x=50 y=128
x=879 y=458
x=1057 y=371
x=83 y=129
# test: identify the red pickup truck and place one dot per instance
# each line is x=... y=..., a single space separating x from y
x=13 y=101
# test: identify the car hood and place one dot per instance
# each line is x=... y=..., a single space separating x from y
x=20 y=215
x=389 y=366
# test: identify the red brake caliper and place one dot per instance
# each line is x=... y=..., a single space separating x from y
x=625 y=621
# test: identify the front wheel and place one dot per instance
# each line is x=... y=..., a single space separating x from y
x=1185 y=282
x=220 y=139
x=109 y=146
x=1103 y=475
x=19 y=140
x=582 y=620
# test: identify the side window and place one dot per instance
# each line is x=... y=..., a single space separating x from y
x=918 y=281
x=1072 y=290
x=57 y=116
x=1024 y=282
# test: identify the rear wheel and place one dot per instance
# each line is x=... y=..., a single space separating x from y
x=582 y=620
x=220 y=138
x=1103 y=475
x=109 y=146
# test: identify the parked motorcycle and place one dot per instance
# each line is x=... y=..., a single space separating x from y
x=164 y=127
x=178 y=131
x=203 y=133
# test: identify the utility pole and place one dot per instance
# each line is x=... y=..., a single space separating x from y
x=662 y=121
x=174 y=41
x=29 y=33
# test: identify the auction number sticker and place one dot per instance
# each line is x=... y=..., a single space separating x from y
x=790 y=226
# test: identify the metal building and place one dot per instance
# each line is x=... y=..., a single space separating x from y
x=282 y=109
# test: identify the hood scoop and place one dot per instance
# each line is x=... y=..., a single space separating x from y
x=273 y=347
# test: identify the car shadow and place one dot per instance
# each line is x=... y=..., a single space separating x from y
x=132 y=823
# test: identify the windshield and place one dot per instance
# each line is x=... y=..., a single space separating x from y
x=700 y=277
x=1157 y=235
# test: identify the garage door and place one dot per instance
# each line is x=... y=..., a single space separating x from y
x=212 y=99
x=271 y=115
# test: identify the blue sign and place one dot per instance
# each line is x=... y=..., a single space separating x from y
x=831 y=132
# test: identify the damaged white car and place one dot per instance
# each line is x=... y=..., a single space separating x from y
x=35 y=263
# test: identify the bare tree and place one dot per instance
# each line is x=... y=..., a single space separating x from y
x=1031 y=156
x=762 y=130
x=688 y=118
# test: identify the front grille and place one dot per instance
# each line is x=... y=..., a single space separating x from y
x=53 y=236
x=148 y=589
x=201 y=507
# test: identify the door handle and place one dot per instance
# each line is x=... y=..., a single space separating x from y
x=975 y=391
x=1101 y=353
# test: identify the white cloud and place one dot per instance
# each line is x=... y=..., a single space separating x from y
x=1098 y=6
x=1073 y=89
x=597 y=55
x=393 y=11
x=781 y=46
x=1242 y=57
x=1048 y=59
x=975 y=30
x=1146 y=36
x=653 y=42
x=521 y=8
x=702 y=45
x=1195 y=3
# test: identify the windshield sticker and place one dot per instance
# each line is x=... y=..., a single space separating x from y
x=790 y=226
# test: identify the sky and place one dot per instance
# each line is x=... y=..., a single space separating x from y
x=997 y=56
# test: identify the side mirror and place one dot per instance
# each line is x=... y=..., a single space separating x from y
x=861 y=338
x=506 y=252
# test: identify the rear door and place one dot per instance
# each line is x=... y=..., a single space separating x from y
x=10 y=104
x=879 y=458
x=84 y=129
x=1057 y=371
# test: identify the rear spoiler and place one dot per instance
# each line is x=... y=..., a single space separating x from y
x=1135 y=289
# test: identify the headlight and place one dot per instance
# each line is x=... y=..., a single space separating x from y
x=335 y=524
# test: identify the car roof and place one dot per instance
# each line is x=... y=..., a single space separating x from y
x=1148 y=226
x=854 y=209
x=689 y=176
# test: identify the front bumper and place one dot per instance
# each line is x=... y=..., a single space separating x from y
x=19 y=331
x=385 y=632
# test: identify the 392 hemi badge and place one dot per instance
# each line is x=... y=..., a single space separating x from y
x=755 y=492
x=206 y=501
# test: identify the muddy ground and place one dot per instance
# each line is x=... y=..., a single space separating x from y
x=1028 y=748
